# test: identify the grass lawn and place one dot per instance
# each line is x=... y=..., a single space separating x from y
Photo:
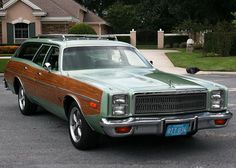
x=197 y=59
x=3 y=63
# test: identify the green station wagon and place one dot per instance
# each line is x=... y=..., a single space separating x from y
x=107 y=87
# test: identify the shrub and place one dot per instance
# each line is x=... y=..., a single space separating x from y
x=175 y=39
x=183 y=45
x=176 y=45
x=146 y=37
x=167 y=46
x=223 y=44
x=124 y=39
x=81 y=28
x=197 y=46
x=8 y=49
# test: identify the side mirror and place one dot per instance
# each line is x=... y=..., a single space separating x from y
x=192 y=70
x=151 y=62
x=47 y=66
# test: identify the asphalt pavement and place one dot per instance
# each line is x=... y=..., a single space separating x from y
x=42 y=141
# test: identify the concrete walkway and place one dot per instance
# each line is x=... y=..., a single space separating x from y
x=162 y=62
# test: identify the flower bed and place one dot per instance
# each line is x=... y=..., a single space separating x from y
x=8 y=49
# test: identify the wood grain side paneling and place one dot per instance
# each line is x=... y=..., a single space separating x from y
x=53 y=88
x=24 y=72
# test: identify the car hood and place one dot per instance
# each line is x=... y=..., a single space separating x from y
x=136 y=80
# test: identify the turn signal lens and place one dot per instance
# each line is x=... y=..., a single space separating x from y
x=220 y=122
x=122 y=130
x=93 y=105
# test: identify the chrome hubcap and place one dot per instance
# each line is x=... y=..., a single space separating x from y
x=75 y=124
x=21 y=99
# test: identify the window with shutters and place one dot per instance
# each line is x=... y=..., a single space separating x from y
x=21 y=32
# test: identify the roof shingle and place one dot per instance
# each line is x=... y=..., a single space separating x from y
x=65 y=8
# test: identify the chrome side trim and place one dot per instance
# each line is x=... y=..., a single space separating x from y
x=157 y=125
x=66 y=90
x=78 y=103
x=80 y=95
x=21 y=83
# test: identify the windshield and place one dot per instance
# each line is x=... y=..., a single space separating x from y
x=79 y=58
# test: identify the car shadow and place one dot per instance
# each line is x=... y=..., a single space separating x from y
x=144 y=146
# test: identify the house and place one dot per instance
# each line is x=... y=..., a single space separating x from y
x=21 y=19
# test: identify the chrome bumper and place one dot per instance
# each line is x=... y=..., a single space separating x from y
x=157 y=125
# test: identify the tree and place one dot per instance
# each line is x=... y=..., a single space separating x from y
x=122 y=17
x=81 y=28
x=211 y=11
x=101 y=6
x=165 y=14
x=97 y=6
x=234 y=21
x=1 y=4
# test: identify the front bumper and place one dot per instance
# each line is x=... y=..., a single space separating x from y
x=157 y=125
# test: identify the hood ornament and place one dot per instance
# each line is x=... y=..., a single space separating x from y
x=171 y=84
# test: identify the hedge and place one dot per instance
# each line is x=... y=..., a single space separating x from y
x=81 y=28
x=223 y=44
x=172 y=41
x=146 y=37
x=125 y=39
x=8 y=49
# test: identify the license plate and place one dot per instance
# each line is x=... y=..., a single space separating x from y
x=177 y=130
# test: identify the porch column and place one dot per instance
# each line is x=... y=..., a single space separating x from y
x=4 y=31
x=99 y=29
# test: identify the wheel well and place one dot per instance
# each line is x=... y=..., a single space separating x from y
x=16 y=85
x=68 y=100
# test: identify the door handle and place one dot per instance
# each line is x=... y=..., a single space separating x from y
x=39 y=73
x=25 y=68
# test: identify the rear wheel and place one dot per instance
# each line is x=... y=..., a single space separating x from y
x=26 y=107
x=81 y=135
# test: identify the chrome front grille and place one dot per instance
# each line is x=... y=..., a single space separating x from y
x=190 y=102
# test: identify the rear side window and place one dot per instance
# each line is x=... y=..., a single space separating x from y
x=28 y=51
x=41 y=55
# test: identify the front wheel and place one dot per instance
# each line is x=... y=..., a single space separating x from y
x=81 y=135
x=26 y=107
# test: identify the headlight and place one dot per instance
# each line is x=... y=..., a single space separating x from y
x=119 y=105
x=217 y=100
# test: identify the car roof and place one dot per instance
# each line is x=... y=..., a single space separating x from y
x=75 y=43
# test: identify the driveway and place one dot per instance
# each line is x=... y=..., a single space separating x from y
x=42 y=141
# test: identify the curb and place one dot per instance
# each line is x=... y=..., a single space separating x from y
x=5 y=57
x=216 y=73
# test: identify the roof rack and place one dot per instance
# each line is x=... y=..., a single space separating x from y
x=67 y=37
